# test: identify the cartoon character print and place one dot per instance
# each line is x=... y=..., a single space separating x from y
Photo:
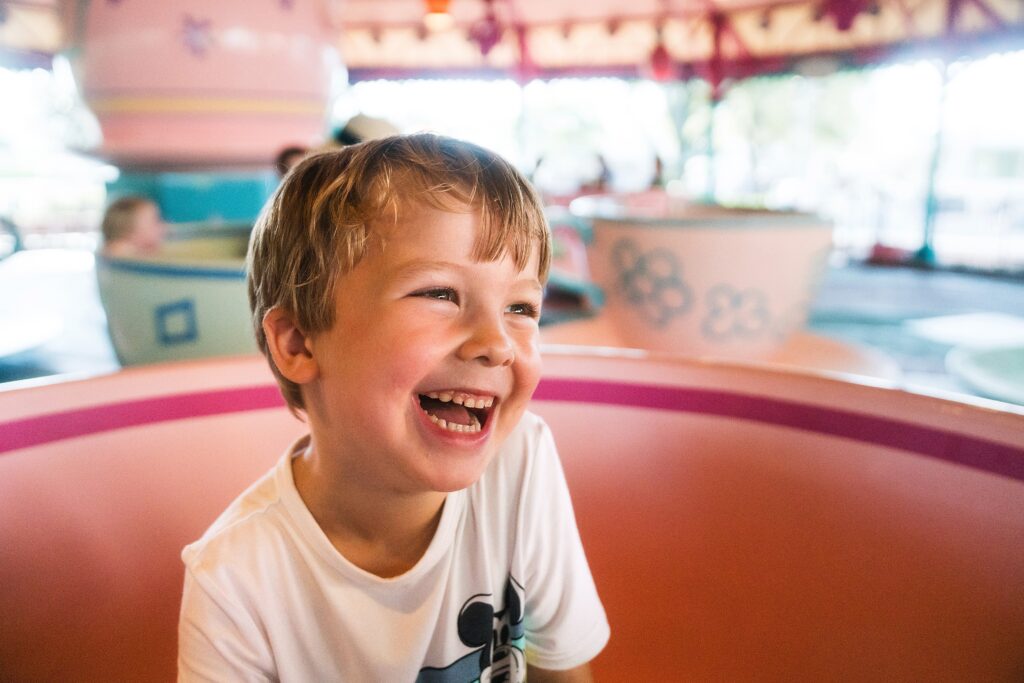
x=498 y=639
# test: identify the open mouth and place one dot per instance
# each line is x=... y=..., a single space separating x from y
x=457 y=411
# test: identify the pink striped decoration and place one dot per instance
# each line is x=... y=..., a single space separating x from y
x=933 y=442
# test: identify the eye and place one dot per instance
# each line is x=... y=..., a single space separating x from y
x=527 y=309
x=439 y=293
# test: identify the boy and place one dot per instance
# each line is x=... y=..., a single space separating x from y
x=422 y=531
x=132 y=226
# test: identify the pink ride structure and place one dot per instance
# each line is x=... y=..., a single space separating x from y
x=741 y=522
x=196 y=84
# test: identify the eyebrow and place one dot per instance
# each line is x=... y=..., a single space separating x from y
x=417 y=267
x=411 y=270
x=534 y=284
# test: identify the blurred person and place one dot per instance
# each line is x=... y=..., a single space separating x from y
x=288 y=157
x=600 y=183
x=361 y=128
x=658 y=179
x=132 y=226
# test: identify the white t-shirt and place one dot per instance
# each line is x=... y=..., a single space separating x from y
x=503 y=582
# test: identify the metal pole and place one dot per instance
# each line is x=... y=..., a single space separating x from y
x=926 y=253
x=709 y=189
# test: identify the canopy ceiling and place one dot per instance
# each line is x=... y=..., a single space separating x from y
x=715 y=39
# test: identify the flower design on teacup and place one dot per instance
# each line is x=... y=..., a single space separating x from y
x=734 y=313
x=651 y=281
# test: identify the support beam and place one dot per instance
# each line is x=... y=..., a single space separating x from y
x=925 y=255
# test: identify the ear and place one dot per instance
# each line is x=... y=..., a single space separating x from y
x=289 y=346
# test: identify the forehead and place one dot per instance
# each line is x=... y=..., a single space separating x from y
x=421 y=227
x=146 y=210
x=442 y=224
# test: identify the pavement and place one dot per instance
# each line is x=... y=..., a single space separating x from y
x=919 y=316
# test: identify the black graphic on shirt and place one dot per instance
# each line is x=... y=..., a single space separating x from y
x=498 y=639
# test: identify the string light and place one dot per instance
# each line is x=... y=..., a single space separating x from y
x=437 y=17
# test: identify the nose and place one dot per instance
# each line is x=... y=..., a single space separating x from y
x=488 y=342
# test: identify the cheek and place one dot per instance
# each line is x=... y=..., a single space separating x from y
x=528 y=370
x=404 y=366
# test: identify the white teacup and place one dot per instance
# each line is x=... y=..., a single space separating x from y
x=188 y=301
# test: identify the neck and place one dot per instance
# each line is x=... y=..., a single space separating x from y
x=382 y=531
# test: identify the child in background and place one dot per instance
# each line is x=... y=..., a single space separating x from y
x=288 y=158
x=423 y=530
x=132 y=226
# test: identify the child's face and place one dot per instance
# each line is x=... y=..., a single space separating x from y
x=420 y=328
x=148 y=228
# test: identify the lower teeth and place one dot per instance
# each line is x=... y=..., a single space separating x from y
x=455 y=426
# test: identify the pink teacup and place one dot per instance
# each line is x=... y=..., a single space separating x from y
x=703 y=280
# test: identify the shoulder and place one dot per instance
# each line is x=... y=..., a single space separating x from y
x=528 y=449
x=532 y=426
x=530 y=441
x=251 y=518
x=531 y=438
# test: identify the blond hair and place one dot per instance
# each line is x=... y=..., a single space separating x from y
x=316 y=226
x=119 y=219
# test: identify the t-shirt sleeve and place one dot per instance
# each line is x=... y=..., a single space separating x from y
x=565 y=622
x=217 y=641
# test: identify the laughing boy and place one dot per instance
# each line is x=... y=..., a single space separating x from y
x=422 y=530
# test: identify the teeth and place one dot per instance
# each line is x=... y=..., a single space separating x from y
x=456 y=427
x=462 y=400
x=469 y=402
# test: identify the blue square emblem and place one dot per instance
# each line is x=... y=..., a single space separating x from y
x=176 y=322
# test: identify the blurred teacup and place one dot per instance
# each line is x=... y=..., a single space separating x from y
x=701 y=279
x=187 y=301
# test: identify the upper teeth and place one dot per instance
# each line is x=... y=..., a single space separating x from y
x=462 y=399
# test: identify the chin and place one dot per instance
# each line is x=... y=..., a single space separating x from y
x=450 y=483
x=450 y=477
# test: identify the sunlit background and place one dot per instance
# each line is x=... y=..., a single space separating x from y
x=857 y=146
